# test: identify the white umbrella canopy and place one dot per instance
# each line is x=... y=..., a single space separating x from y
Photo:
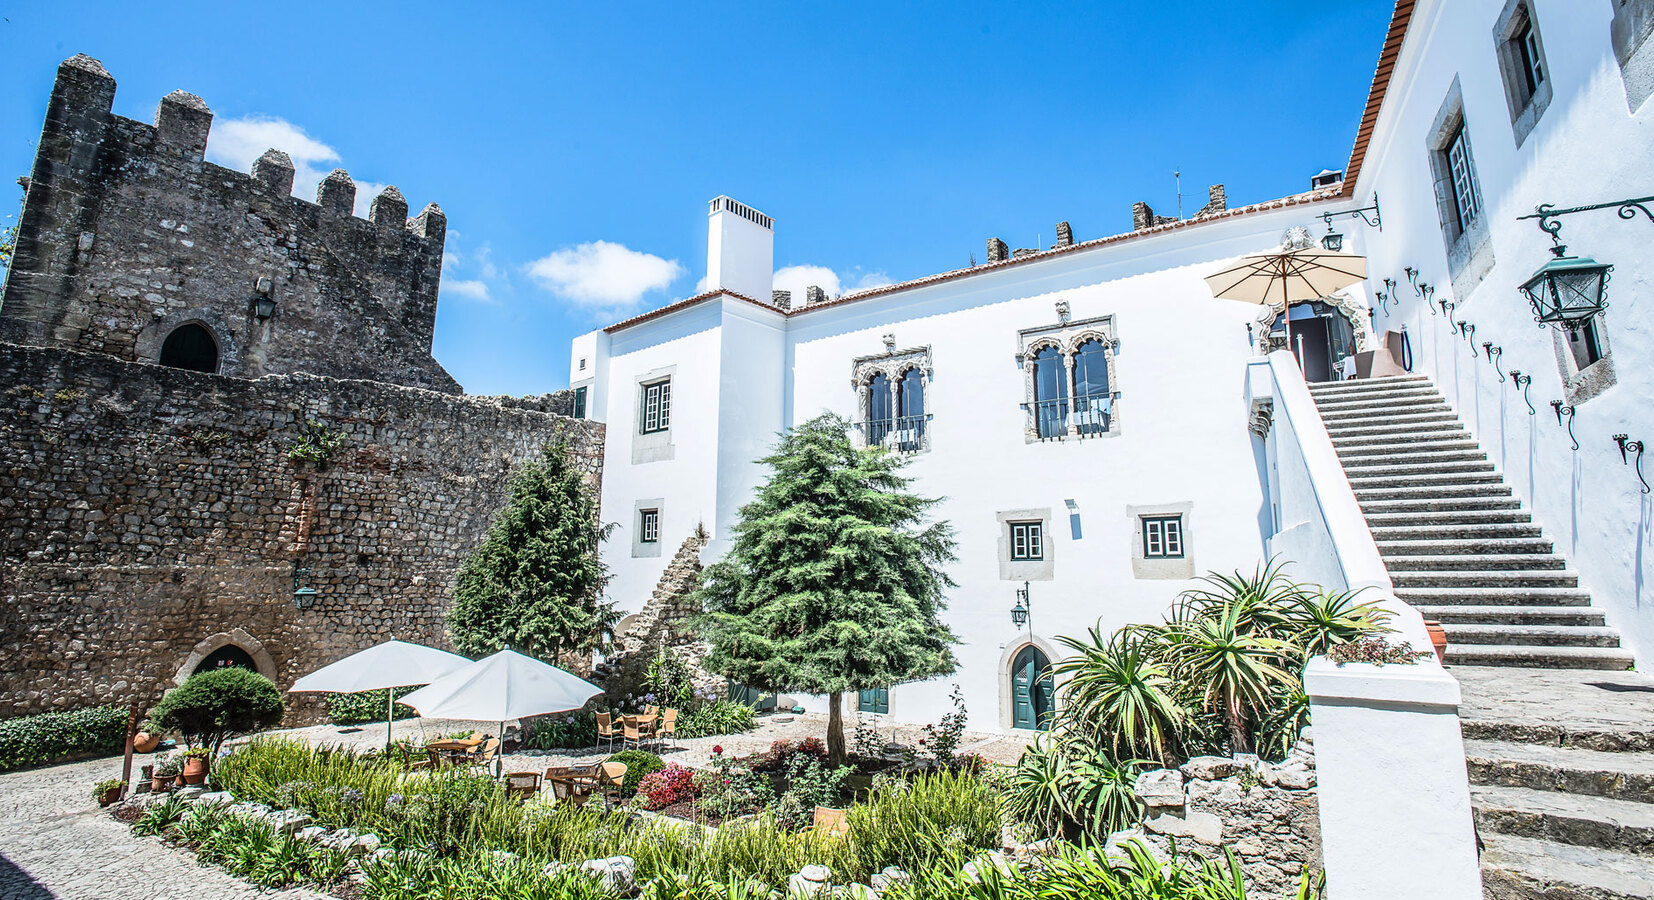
x=507 y=685
x=1287 y=276
x=392 y=664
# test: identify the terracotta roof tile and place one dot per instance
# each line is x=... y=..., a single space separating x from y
x=1387 y=57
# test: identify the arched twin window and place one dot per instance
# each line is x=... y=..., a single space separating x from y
x=1090 y=407
x=896 y=417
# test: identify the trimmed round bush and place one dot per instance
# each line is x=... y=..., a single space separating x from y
x=638 y=764
x=48 y=737
x=219 y=703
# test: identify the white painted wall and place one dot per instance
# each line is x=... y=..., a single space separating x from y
x=1588 y=147
x=740 y=253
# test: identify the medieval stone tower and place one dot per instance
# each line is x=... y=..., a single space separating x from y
x=225 y=440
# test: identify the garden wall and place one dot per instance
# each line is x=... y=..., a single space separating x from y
x=151 y=516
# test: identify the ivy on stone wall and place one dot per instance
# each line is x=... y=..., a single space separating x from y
x=316 y=445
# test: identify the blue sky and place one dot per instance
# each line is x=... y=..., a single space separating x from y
x=574 y=146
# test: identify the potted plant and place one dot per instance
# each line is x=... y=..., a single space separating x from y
x=166 y=772
x=147 y=738
x=108 y=791
x=195 y=765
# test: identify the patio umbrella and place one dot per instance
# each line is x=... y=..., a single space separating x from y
x=507 y=685
x=392 y=664
x=1292 y=274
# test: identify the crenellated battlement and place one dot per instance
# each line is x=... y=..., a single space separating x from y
x=128 y=233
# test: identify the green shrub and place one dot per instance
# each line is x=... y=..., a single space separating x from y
x=216 y=704
x=366 y=706
x=716 y=717
x=39 y=739
x=562 y=731
x=638 y=764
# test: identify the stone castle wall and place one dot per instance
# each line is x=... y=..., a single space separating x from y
x=150 y=515
x=127 y=233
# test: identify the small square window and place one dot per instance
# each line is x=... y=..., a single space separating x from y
x=582 y=364
x=1027 y=541
x=1162 y=537
x=657 y=407
x=648 y=526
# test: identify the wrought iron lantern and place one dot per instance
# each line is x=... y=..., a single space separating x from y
x=1021 y=613
x=304 y=596
x=263 y=308
x=1332 y=240
x=1568 y=290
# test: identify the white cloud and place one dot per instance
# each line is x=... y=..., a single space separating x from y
x=797 y=278
x=473 y=289
x=238 y=143
x=602 y=276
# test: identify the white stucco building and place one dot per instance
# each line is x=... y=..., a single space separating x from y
x=1084 y=408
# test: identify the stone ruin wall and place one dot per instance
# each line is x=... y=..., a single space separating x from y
x=666 y=620
x=149 y=515
x=127 y=233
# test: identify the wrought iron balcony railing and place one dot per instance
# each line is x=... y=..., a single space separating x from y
x=902 y=434
x=1088 y=415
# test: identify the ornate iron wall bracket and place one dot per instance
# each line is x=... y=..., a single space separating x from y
x=1467 y=330
x=1428 y=291
x=1632 y=446
x=1447 y=312
x=1547 y=213
x=1413 y=279
x=1493 y=354
x=1568 y=411
x=1523 y=382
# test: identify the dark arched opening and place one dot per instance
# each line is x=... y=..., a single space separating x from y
x=1033 y=693
x=190 y=346
x=225 y=657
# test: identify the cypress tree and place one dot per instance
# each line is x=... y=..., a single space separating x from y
x=536 y=582
x=834 y=581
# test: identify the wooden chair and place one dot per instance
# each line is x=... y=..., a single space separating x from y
x=610 y=776
x=631 y=734
x=522 y=785
x=486 y=753
x=646 y=728
x=668 y=727
x=650 y=712
x=571 y=784
x=606 y=730
x=831 y=821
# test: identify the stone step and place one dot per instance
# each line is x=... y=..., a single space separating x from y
x=1430 y=458
x=1432 y=492
x=1601 y=658
x=1362 y=481
x=1387 y=467
x=1368 y=385
x=1380 y=514
x=1484 y=578
x=1493 y=596
x=1602 y=822
x=1465 y=547
x=1487 y=634
x=1395 y=432
x=1360 y=409
x=1386 y=448
x=1467 y=614
x=1492 y=562
x=1378 y=421
x=1518 y=868
x=1460 y=531
x=1593 y=773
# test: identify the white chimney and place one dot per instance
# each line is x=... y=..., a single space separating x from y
x=740 y=249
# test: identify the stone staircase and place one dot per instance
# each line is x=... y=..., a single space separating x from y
x=1457 y=543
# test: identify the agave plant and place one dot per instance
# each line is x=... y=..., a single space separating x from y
x=1114 y=687
x=1259 y=602
x=1238 y=670
x=1318 y=621
x=1062 y=786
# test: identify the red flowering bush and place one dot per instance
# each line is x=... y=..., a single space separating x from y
x=814 y=747
x=670 y=785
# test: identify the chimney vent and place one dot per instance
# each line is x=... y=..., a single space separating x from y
x=1326 y=178
x=782 y=299
x=1065 y=235
x=997 y=250
x=813 y=295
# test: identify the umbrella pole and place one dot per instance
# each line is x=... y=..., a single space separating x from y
x=390 y=716
x=499 y=752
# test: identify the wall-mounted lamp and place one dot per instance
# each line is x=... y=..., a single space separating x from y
x=304 y=596
x=1333 y=241
x=1024 y=610
x=1632 y=447
x=264 y=306
x=1568 y=290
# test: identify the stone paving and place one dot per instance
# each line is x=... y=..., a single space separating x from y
x=1574 y=700
x=56 y=843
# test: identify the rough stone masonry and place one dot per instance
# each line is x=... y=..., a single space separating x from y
x=153 y=519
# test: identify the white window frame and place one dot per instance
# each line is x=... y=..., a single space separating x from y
x=1163 y=537
x=1467 y=201
x=1028 y=541
x=648 y=526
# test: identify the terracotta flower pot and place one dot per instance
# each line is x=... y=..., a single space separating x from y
x=1438 y=639
x=144 y=742
x=195 y=770
x=109 y=795
x=160 y=784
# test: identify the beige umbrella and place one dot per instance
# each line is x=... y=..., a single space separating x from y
x=1292 y=274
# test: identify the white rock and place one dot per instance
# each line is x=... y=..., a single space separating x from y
x=1201 y=826
x=1211 y=768
x=312 y=833
x=1294 y=779
x=554 y=869
x=1307 y=734
x=801 y=888
x=287 y=821
x=216 y=798
x=617 y=873
x=1161 y=787
x=817 y=874
x=363 y=843
x=977 y=869
x=1114 y=850
x=857 y=891
x=340 y=839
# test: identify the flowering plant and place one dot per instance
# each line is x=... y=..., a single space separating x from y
x=670 y=785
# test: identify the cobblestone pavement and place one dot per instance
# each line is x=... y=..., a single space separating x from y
x=56 y=843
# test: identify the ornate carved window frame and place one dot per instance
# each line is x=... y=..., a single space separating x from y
x=1067 y=336
x=894 y=365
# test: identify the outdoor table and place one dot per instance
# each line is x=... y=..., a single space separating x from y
x=453 y=749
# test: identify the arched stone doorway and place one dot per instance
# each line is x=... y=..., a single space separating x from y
x=1027 y=690
x=1325 y=332
x=190 y=346
x=235 y=647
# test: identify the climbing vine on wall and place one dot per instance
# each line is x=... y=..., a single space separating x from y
x=316 y=445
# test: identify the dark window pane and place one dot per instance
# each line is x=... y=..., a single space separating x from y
x=190 y=347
